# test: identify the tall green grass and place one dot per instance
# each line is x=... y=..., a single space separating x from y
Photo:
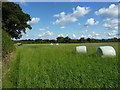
x=45 y=66
x=7 y=44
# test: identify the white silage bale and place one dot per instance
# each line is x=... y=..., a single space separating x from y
x=19 y=44
x=51 y=44
x=57 y=44
x=81 y=49
x=106 y=51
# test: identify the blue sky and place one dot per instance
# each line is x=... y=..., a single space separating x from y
x=74 y=19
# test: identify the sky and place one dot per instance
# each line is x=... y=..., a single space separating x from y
x=74 y=19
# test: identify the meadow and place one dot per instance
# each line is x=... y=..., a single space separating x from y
x=51 y=66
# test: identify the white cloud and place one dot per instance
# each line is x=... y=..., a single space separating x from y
x=61 y=35
x=111 y=24
x=93 y=35
x=33 y=21
x=23 y=2
x=25 y=36
x=78 y=24
x=111 y=16
x=113 y=34
x=43 y=29
x=64 y=18
x=46 y=34
x=63 y=27
x=27 y=30
x=89 y=36
x=47 y=28
x=111 y=11
x=80 y=11
x=84 y=31
x=74 y=0
x=73 y=35
x=91 y=21
x=83 y=36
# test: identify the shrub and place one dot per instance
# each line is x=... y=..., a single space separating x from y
x=7 y=44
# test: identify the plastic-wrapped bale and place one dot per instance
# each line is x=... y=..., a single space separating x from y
x=51 y=44
x=106 y=51
x=57 y=44
x=19 y=44
x=81 y=49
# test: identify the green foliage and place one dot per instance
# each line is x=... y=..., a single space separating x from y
x=63 y=39
x=82 y=40
x=60 y=39
x=7 y=44
x=46 y=66
x=88 y=39
x=67 y=40
x=14 y=20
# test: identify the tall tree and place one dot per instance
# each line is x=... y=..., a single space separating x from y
x=88 y=39
x=14 y=20
x=60 y=39
x=67 y=39
x=82 y=40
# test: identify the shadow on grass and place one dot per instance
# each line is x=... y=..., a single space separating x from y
x=93 y=55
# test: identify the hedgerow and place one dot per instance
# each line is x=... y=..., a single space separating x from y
x=7 y=44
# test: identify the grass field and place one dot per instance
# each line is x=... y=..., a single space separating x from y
x=45 y=66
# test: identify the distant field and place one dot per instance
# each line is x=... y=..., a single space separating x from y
x=46 y=66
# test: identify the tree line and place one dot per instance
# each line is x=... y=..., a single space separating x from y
x=66 y=40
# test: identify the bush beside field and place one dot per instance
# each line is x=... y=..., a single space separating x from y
x=7 y=44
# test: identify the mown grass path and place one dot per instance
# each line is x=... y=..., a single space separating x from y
x=45 y=66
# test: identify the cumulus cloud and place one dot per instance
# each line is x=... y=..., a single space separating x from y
x=111 y=24
x=93 y=35
x=43 y=29
x=80 y=11
x=78 y=24
x=46 y=34
x=83 y=31
x=110 y=15
x=113 y=34
x=73 y=36
x=27 y=30
x=61 y=35
x=96 y=35
x=64 y=18
x=33 y=21
x=63 y=27
x=82 y=36
x=111 y=11
x=89 y=36
x=91 y=21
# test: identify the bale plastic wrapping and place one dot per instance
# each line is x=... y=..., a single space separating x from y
x=81 y=49
x=51 y=44
x=19 y=44
x=106 y=51
x=57 y=44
